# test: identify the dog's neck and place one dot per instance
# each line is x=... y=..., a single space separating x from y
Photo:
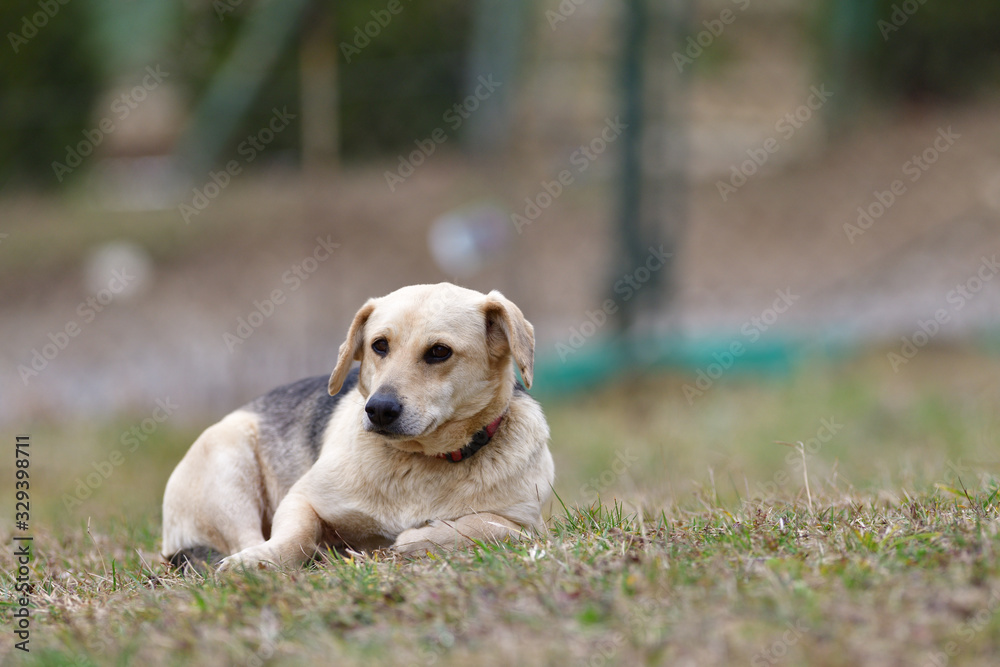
x=479 y=440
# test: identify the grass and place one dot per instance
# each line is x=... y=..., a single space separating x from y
x=682 y=535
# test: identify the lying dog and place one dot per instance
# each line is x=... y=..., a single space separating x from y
x=429 y=445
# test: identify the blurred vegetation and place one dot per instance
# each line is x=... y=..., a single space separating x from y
x=400 y=85
x=48 y=83
x=911 y=50
x=943 y=49
x=394 y=88
x=398 y=73
x=208 y=33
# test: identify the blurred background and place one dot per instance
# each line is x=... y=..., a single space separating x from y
x=728 y=220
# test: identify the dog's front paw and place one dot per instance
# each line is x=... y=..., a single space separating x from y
x=254 y=558
x=416 y=549
x=417 y=542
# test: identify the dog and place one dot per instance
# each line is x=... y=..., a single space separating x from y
x=429 y=445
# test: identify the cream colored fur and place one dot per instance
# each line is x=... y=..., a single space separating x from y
x=368 y=490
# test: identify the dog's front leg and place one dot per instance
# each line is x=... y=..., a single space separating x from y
x=295 y=536
x=440 y=536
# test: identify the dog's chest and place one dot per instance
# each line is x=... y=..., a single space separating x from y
x=388 y=500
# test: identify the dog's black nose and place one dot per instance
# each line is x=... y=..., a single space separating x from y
x=383 y=409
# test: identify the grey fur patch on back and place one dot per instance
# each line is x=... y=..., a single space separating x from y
x=297 y=414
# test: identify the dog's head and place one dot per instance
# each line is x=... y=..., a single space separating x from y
x=435 y=360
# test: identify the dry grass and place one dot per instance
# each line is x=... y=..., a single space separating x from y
x=684 y=560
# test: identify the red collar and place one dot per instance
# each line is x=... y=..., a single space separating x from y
x=479 y=440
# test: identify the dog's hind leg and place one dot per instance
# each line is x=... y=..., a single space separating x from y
x=199 y=559
x=215 y=499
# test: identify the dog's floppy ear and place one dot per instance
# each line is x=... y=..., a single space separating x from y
x=507 y=332
x=350 y=349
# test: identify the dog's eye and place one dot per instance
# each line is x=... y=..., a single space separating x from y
x=381 y=347
x=437 y=353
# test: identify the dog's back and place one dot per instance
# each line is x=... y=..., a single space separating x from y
x=291 y=422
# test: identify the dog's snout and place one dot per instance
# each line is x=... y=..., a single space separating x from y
x=383 y=409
